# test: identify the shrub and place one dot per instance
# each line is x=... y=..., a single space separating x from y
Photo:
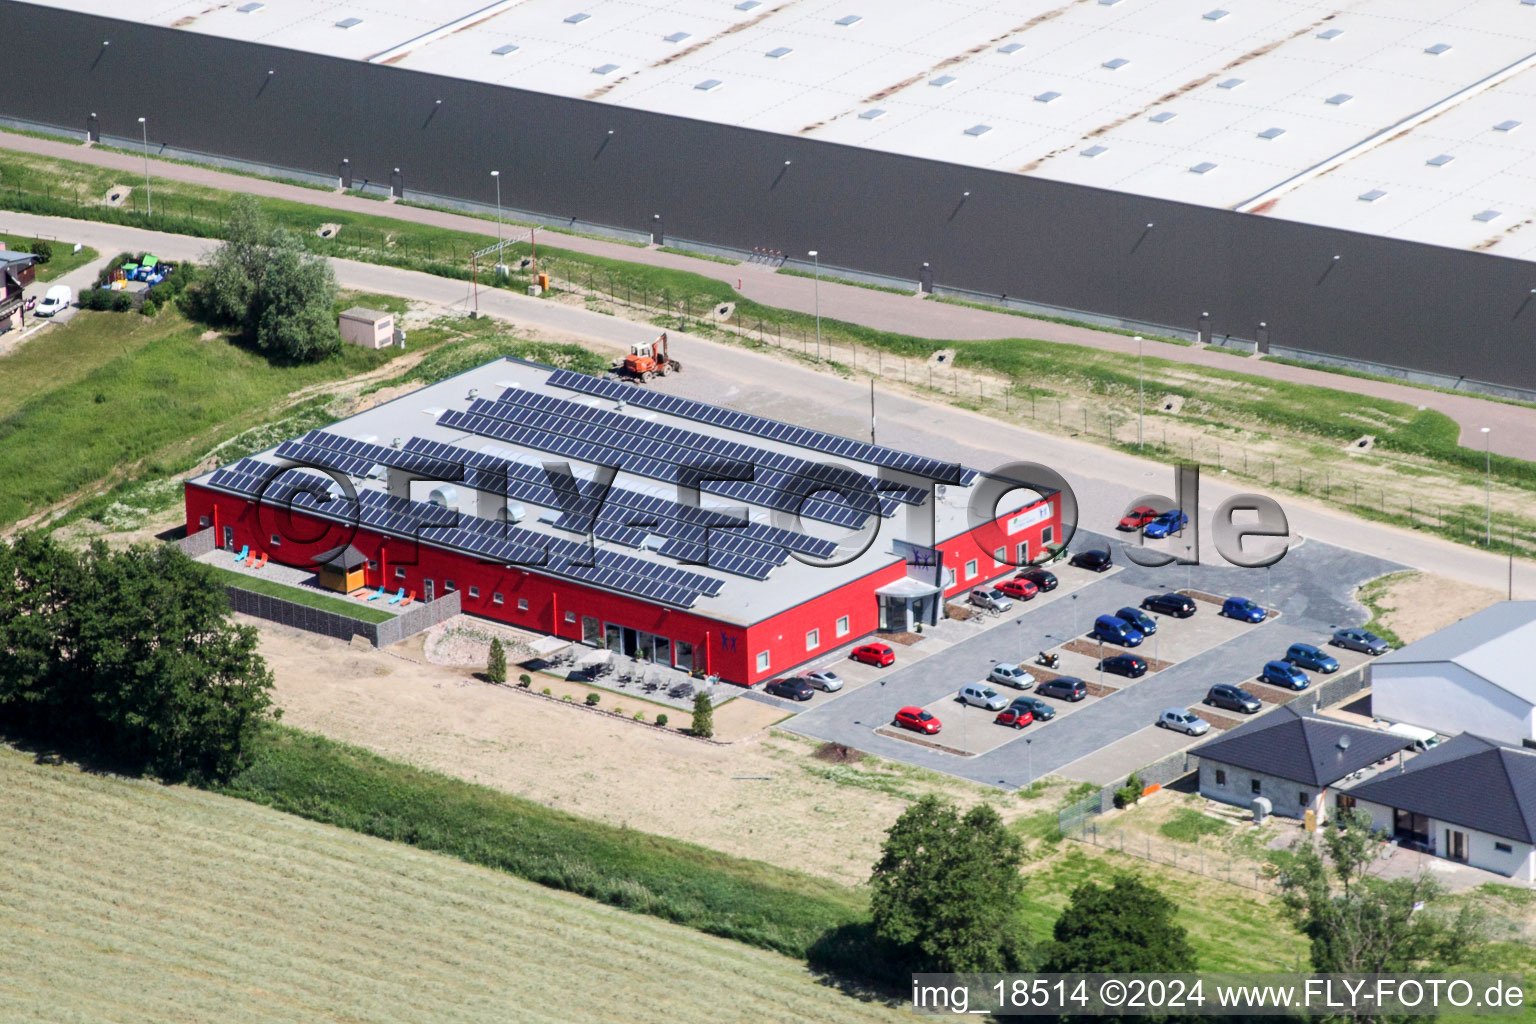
x=569 y=698
x=703 y=716
x=41 y=249
x=1130 y=793
x=661 y=719
x=149 y=307
x=496 y=665
x=525 y=680
x=639 y=716
x=122 y=302
x=546 y=691
x=592 y=699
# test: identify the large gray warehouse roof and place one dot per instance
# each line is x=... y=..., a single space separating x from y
x=1379 y=116
x=1496 y=644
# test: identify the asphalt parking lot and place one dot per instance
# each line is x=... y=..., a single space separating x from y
x=1100 y=738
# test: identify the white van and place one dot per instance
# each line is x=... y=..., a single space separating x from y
x=58 y=299
x=1414 y=738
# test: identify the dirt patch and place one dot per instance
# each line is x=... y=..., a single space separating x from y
x=838 y=753
x=904 y=639
x=1090 y=649
x=1100 y=689
x=1417 y=604
x=327 y=230
x=1270 y=694
x=1217 y=721
x=117 y=195
x=944 y=357
x=912 y=737
x=464 y=641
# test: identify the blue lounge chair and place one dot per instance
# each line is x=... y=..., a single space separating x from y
x=398 y=597
x=376 y=595
x=245 y=553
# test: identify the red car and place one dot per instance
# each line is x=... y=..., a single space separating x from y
x=1017 y=588
x=1138 y=517
x=917 y=720
x=1015 y=716
x=879 y=655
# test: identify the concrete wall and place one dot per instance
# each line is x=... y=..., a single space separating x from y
x=1237 y=789
x=1482 y=852
x=1388 y=302
x=314 y=620
x=1448 y=699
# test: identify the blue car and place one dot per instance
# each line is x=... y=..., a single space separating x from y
x=1283 y=673
x=1167 y=524
x=1116 y=631
x=1138 y=618
x=1307 y=656
x=1242 y=609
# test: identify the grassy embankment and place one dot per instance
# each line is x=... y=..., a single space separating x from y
x=352 y=609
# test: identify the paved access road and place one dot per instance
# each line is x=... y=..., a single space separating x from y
x=1312 y=588
x=1514 y=427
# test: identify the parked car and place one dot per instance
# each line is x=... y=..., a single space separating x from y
x=1181 y=720
x=56 y=300
x=982 y=696
x=825 y=679
x=1127 y=665
x=1138 y=618
x=879 y=655
x=917 y=720
x=1021 y=589
x=1307 y=656
x=1177 y=605
x=1136 y=518
x=1283 y=673
x=1116 y=631
x=1360 y=640
x=1043 y=579
x=990 y=599
x=1065 y=687
x=1243 y=610
x=1042 y=711
x=1096 y=559
x=1010 y=675
x=1166 y=525
x=1015 y=715
x=1233 y=698
x=790 y=688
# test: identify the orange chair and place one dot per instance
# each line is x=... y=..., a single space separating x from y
x=260 y=562
x=408 y=599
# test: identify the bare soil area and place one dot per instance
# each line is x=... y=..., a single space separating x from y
x=1415 y=605
x=765 y=795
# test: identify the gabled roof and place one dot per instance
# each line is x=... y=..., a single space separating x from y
x=342 y=559
x=1466 y=781
x=1495 y=644
x=1302 y=748
x=9 y=256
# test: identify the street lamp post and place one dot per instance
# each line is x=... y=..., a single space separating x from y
x=149 y=200
x=1141 y=390
x=813 y=254
x=1030 y=755
x=1488 y=482
x=497 y=176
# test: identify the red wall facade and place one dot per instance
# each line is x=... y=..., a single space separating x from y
x=557 y=606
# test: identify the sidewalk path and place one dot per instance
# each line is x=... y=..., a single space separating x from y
x=1105 y=480
x=1513 y=427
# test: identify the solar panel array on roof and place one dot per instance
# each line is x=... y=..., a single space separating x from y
x=760 y=426
x=473 y=535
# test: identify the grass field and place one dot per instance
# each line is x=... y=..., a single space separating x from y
x=354 y=608
x=134 y=902
x=64 y=258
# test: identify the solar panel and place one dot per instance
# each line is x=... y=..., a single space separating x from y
x=817 y=440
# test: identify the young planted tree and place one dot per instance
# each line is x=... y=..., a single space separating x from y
x=496 y=664
x=946 y=892
x=1359 y=923
x=703 y=715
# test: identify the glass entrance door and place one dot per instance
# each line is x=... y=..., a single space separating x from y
x=612 y=637
x=1456 y=845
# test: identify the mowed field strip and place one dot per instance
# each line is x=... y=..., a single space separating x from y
x=129 y=901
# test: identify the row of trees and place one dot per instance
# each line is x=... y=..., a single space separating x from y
x=947 y=895
x=128 y=659
x=263 y=281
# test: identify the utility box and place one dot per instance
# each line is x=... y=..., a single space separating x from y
x=368 y=328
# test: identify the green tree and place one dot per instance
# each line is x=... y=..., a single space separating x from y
x=1359 y=923
x=129 y=656
x=946 y=893
x=263 y=281
x=496 y=664
x=1126 y=927
x=703 y=715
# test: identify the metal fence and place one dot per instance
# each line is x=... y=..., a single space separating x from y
x=1190 y=857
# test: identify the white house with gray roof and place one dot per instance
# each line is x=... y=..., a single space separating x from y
x=1476 y=676
x=1470 y=800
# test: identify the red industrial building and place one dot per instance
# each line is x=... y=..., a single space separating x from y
x=797 y=543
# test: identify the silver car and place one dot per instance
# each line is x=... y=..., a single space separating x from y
x=990 y=599
x=1010 y=675
x=982 y=696
x=1181 y=720
x=825 y=680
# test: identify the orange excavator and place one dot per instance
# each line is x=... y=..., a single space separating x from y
x=646 y=360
